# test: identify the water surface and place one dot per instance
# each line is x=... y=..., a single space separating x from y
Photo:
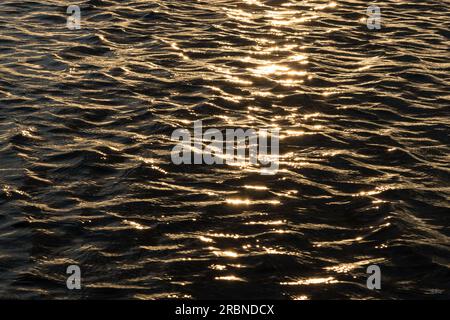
x=86 y=178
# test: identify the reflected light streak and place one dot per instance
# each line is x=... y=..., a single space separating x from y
x=251 y=202
x=310 y=281
x=229 y=278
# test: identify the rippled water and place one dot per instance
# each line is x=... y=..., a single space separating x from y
x=86 y=178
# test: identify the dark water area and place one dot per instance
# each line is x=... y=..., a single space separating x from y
x=86 y=178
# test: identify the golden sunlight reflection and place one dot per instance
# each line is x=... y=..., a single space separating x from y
x=254 y=2
x=274 y=69
x=256 y=187
x=267 y=223
x=218 y=267
x=229 y=278
x=288 y=17
x=135 y=225
x=263 y=50
x=270 y=69
x=237 y=202
x=287 y=194
x=276 y=60
x=331 y=4
x=300 y=298
x=205 y=239
x=377 y=190
x=337 y=242
x=290 y=82
x=310 y=281
x=223 y=235
x=226 y=253
x=347 y=267
x=238 y=14
x=299 y=57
